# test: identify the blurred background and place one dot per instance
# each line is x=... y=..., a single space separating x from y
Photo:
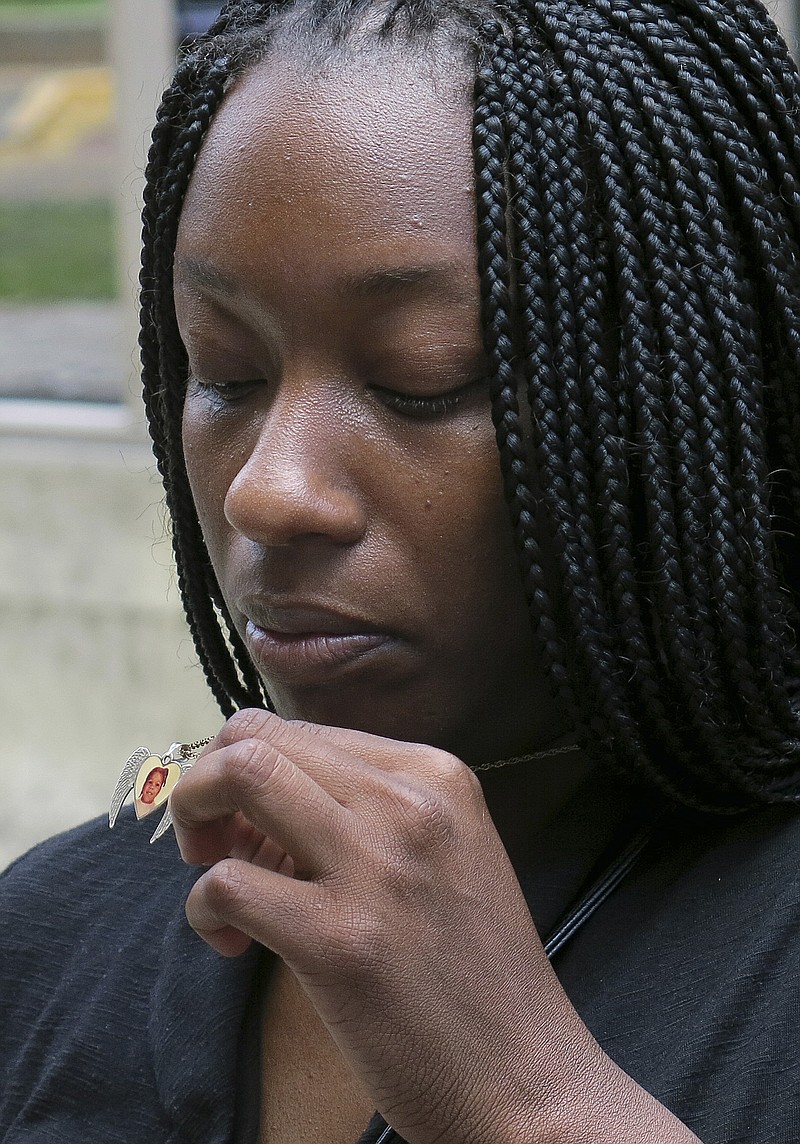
x=95 y=655
x=94 y=652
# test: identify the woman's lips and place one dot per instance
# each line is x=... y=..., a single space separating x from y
x=308 y=657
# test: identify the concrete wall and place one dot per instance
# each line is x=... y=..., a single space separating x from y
x=96 y=658
x=785 y=15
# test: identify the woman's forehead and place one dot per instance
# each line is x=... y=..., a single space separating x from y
x=382 y=116
x=333 y=172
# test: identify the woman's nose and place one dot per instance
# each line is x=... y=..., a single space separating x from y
x=298 y=482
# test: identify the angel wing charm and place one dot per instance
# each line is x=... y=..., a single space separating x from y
x=125 y=783
x=152 y=779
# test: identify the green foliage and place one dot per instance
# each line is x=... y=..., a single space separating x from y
x=36 y=5
x=56 y=251
x=42 y=11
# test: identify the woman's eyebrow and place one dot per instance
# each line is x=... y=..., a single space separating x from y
x=447 y=279
x=206 y=274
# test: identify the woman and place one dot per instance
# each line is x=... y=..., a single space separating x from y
x=560 y=690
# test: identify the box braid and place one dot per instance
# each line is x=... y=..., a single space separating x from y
x=638 y=231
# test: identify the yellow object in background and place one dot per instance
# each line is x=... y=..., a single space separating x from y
x=56 y=110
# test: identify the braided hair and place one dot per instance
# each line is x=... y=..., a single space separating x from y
x=638 y=235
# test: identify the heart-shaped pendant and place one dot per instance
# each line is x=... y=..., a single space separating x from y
x=154 y=783
x=152 y=778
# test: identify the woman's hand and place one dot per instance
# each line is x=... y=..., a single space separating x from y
x=373 y=869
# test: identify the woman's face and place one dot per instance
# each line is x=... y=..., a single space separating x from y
x=337 y=427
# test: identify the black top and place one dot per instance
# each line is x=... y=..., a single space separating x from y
x=118 y=1024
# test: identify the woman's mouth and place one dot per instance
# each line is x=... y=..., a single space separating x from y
x=311 y=656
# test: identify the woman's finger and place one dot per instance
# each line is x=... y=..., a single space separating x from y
x=251 y=845
x=331 y=750
x=235 y=902
x=272 y=792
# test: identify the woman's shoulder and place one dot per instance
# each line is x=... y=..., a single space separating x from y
x=110 y=1005
x=751 y=857
x=70 y=901
x=703 y=882
x=73 y=872
x=689 y=975
x=70 y=845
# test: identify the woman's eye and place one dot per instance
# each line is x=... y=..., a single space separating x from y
x=428 y=408
x=227 y=392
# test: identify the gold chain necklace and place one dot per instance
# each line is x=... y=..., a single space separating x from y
x=549 y=753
